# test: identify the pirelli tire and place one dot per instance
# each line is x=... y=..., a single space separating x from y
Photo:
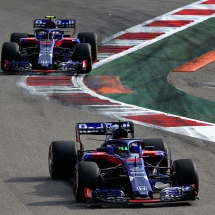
x=184 y=172
x=9 y=51
x=82 y=52
x=159 y=145
x=91 y=38
x=15 y=37
x=62 y=158
x=86 y=175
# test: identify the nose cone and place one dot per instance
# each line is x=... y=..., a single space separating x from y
x=46 y=54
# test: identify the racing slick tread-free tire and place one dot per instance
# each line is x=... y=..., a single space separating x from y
x=83 y=52
x=15 y=37
x=62 y=158
x=87 y=175
x=10 y=51
x=185 y=173
x=159 y=145
x=91 y=38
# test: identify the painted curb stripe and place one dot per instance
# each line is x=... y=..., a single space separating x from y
x=165 y=121
x=139 y=36
x=79 y=99
x=170 y=23
x=112 y=49
x=49 y=81
x=197 y=63
x=120 y=43
x=198 y=12
x=209 y=2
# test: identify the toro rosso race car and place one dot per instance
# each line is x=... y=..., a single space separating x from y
x=124 y=169
x=49 y=49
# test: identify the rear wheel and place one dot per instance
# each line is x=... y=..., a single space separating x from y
x=15 y=37
x=87 y=176
x=91 y=38
x=159 y=145
x=62 y=159
x=185 y=173
x=82 y=52
x=10 y=51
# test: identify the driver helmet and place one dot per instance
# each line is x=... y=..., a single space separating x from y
x=52 y=34
x=121 y=149
x=50 y=24
x=119 y=133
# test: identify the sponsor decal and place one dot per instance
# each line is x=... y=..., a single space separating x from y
x=131 y=178
x=91 y=127
x=137 y=173
x=44 y=61
x=87 y=193
x=137 y=176
x=141 y=188
x=45 y=49
x=68 y=23
x=38 y=22
x=136 y=169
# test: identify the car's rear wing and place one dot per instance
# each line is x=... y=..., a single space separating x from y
x=60 y=23
x=100 y=128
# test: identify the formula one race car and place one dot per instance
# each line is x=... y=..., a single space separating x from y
x=123 y=169
x=49 y=49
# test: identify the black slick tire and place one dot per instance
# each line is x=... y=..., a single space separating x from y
x=86 y=175
x=185 y=173
x=15 y=37
x=83 y=52
x=62 y=158
x=159 y=145
x=91 y=38
x=10 y=51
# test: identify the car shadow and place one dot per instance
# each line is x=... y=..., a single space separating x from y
x=60 y=193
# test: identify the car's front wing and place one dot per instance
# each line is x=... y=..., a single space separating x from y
x=70 y=66
x=171 y=194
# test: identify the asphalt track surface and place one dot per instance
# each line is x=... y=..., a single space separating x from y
x=29 y=124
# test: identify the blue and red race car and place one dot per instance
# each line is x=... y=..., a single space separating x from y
x=124 y=169
x=49 y=49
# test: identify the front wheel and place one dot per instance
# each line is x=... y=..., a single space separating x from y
x=10 y=51
x=184 y=172
x=86 y=176
x=82 y=52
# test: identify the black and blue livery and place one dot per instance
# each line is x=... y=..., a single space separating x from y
x=124 y=169
x=50 y=49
